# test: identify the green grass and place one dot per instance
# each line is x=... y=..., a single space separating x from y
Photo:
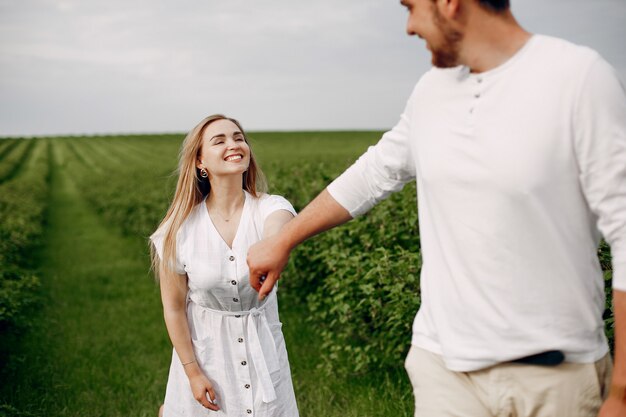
x=98 y=345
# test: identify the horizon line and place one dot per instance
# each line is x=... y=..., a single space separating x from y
x=172 y=133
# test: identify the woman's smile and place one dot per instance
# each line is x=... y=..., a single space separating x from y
x=234 y=158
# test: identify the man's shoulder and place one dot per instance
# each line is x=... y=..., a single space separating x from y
x=561 y=51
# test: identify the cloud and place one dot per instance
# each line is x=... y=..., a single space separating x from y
x=70 y=66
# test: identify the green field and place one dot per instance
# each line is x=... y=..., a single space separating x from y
x=89 y=338
x=80 y=315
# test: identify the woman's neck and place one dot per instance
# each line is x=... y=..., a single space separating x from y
x=226 y=194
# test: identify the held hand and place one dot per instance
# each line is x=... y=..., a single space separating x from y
x=613 y=407
x=203 y=392
x=266 y=260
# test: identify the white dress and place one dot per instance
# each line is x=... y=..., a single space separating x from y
x=237 y=341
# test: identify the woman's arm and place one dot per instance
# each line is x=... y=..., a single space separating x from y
x=174 y=298
x=275 y=222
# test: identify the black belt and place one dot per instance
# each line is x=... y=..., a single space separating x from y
x=547 y=358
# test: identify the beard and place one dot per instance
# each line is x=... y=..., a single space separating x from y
x=446 y=53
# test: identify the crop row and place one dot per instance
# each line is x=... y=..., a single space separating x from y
x=6 y=145
x=127 y=186
x=14 y=158
x=22 y=205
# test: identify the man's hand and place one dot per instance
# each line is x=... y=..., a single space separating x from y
x=266 y=260
x=614 y=406
x=268 y=257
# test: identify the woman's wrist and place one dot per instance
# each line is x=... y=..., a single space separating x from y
x=192 y=369
x=188 y=363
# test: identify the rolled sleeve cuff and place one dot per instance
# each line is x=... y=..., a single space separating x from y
x=344 y=193
x=619 y=276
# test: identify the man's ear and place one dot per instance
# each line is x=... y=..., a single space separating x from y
x=449 y=8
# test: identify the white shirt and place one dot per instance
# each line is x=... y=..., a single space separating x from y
x=518 y=169
x=237 y=341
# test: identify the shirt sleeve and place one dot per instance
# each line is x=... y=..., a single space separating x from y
x=601 y=154
x=157 y=240
x=271 y=203
x=384 y=168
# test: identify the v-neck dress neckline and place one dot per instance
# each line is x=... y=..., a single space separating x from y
x=242 y=223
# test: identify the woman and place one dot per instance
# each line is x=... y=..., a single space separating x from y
x=229 y=352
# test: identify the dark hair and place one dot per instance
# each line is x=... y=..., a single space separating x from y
x=495 y=5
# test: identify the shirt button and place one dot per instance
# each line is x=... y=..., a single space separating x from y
x=244 y=363
x=247 y=386
x=236 y=300
x=233 y=282
x=471 y=110
x=249 y=411
x=477 y=95
x=238 y=315
x=479 y=79
x=240 y=340
x=231 y=258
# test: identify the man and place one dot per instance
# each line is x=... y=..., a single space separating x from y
x=518 y=146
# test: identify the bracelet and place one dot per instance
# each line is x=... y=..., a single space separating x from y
x=187 y=363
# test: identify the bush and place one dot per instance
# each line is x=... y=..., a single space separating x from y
x=365 y=309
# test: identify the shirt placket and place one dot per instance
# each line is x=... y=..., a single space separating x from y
x=477 y=89
x=239 y=343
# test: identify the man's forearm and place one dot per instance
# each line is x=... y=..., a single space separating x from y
x=615 y=404
x=267 y=258
x=321 y=214
x=618 y=386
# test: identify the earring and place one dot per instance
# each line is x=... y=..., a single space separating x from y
x=203 y=173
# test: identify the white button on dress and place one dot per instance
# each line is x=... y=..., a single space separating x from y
x=237 y=340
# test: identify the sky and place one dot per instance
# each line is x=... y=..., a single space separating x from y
x=157 y=66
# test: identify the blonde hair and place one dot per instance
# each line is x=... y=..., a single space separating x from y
x=191 y=189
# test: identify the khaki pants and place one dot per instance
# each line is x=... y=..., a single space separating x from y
x=507 y=390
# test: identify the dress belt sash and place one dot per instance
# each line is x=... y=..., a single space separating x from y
x=262 y=349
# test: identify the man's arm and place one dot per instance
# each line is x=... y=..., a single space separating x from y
x=269 y=256
x=600 y=147
x=381 y=170
x=615 y=405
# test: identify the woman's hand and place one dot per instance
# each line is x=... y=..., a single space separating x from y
x=203 y=392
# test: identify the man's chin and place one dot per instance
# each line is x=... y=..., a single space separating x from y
x=442 y=61
x=441 y=65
